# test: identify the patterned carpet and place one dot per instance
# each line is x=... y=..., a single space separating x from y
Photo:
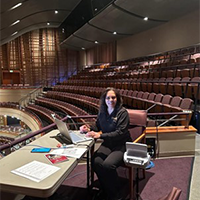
x=167 y=173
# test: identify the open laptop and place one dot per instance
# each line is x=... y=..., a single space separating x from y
x=68 y=137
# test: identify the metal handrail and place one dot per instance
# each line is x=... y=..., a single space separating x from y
x=30 y=96
x=43 y=130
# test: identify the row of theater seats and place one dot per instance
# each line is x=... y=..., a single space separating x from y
x=5 y=139
x=85 y=101
x=9 y=104
x=42 y=112
x=133 y=99
x=15 y=86
x=67 y=108
x=162 y=103
x=16 y=106
x=190 y=69
x=183 y=87
x=11 y=129
x=152 y=102
x=88 y=91
x=176 y=87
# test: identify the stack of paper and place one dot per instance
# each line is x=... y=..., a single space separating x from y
x=36 y=171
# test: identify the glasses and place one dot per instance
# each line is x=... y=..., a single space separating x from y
x=113 y=98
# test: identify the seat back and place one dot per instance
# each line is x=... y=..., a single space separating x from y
x=138 y=121
x=176 y=101
x=151 y=96
x=158 y=97
x=166 y=99
x=186 y=103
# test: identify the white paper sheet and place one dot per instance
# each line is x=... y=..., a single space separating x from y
x=70 y=152
x=36 y=171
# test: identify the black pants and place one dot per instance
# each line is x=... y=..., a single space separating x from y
x=105 y=162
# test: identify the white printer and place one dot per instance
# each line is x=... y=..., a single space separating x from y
x=136 y=155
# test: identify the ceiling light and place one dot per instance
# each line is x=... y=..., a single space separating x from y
x=14 y=33
x=83 y=48
x=96 y=42
x=16 y=22
x=63 y=30
x=48 y=23
x=95 y=9
x=56 y=12
x=146 y=19
x=114 y=33
x=17 y=5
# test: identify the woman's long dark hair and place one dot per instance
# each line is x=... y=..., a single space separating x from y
x=103 y=106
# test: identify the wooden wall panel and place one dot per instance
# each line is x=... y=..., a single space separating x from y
x=101 y=54
x=39 y=58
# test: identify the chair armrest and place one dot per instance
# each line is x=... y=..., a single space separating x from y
x=139 y=138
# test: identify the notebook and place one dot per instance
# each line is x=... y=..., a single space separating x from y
x=69 y=137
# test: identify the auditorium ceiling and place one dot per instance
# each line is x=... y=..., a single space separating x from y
x=102 y=21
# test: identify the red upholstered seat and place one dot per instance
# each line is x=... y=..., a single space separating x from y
x=138 y=121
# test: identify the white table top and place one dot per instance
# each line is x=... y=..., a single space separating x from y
x=12 y=183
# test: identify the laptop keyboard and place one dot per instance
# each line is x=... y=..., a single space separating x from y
x=76 y=137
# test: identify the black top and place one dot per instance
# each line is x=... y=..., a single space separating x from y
x=114 y=127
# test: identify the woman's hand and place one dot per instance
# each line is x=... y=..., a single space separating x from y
x=84 y=129
x=93 y=134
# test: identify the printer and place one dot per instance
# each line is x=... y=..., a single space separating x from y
x=136 y=155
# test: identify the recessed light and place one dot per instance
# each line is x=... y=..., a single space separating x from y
x=96 y=42
x=83 y=48
x=17 y=5
x=14 y=33
x=146 y=19
x=48 y=23
x=114 y=33
x=95 y=9
x=16 y=22
x=56 y=12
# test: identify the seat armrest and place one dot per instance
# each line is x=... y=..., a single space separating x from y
x=139 y=138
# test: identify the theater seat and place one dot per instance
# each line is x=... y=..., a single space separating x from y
x=150 y=104
x=173 y=195
x=163 y=86
x=185 y=106
x=180 y=88
x=151 y=97
x=175 y=102
x=160 y=105
x=193 y=91
x=131 y=98
x=139 y=101
x=170 y=87
x=138 y=121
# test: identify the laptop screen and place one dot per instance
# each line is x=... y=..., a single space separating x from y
x=62 y=127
